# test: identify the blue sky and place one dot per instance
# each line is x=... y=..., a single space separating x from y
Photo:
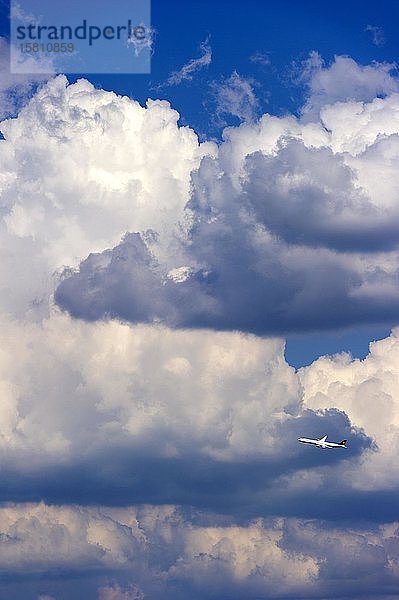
x=199 y=266
x=287 y=33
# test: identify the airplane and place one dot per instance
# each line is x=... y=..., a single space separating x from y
x=322 y=442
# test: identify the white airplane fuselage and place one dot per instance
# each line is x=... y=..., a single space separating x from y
x=322 y=442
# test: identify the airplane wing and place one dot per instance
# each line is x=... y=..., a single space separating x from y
x=323 y=439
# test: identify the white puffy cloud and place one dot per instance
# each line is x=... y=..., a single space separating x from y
x=248 y=559
x=76 y=384
x=40 y=537
x=80 y=167
x=345 y=80
x=95 y=155
x=358 y=130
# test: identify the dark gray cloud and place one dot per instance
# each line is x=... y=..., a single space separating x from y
x=100 y=276
x=128 y=283
x=319 y=206
x=244 y=283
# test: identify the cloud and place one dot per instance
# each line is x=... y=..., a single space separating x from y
x=183 y=276
x=365 y=390
x=378 y=36
x=118 y=415
x=63 y=196
x=260 y=58
x=172 y=556
x=187 y=72
x=115 y=592
x=343 y=81
x=190 y=203
x=235 y=96
x=139 y=44
x=280 y=196
x=284 y=190
x=166 y=451
x=127 y=284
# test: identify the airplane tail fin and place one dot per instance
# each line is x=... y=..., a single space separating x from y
x=343 y=443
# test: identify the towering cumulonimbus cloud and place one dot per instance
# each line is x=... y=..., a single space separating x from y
x=277 y=197
x=301 y=197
